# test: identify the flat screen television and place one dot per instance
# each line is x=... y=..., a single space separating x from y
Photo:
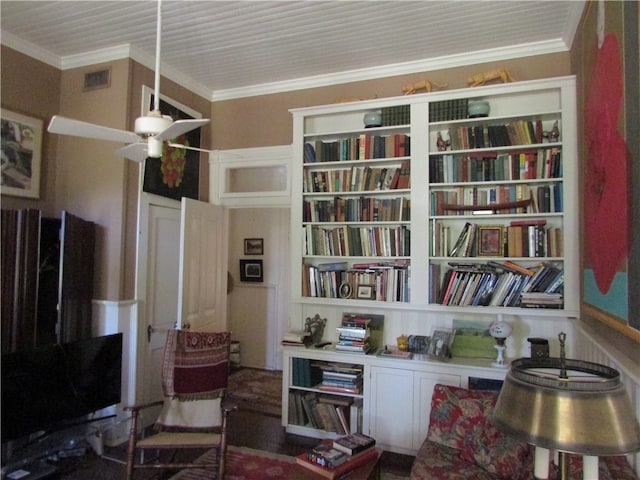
x=46 y=388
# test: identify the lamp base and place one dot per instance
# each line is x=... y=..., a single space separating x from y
x=499 y=362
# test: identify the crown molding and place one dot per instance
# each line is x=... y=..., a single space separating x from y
x=30 y=50
x=426 y=65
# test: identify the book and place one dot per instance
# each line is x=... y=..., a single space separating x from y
x=354 y=443
x=341 y=470
x=326 y=456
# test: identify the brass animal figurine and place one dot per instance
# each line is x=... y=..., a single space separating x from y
x=498 y=74
x=426 y=85
x=353 y=99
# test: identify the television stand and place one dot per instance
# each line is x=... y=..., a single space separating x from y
x=34 y=470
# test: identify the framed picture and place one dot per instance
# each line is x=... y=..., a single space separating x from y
x=251 y=270
x=611 y=263
x=21 y=155
x=440 y=343
x=177 y=173
x=490 y=240
x=365 y=291
x=253 y=246
x=345 y=290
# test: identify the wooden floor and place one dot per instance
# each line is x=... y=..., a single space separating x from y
x=249 y=429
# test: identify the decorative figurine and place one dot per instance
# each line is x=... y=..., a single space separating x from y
x=500 y=331
x=552 y=135
x=426 y=85
x=498 y=74
x=441 y=143
x=315 y=326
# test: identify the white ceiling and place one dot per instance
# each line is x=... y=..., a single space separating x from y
x=227 y=49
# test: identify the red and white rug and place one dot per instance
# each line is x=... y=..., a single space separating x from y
x=248 y=464
x=256 y=390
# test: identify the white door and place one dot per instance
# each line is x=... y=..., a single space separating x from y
x=203 y=267
x=161 y=278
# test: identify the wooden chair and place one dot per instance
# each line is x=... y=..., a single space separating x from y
x=195 y=371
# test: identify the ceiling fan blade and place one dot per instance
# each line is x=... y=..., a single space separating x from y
x=135 y=151
x=179 y=127
x=178 y=145
x=76 y=128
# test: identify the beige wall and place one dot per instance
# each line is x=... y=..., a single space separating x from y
x=90 y=177
x=32 y=88
x=265 y=120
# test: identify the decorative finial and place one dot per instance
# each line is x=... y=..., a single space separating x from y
x=562 y=337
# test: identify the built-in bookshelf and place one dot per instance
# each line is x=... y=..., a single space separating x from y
x=501 y=202
x=356 y=208
x=324 y=397
x=434 y=210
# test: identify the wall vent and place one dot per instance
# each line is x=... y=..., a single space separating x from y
x=97 y=79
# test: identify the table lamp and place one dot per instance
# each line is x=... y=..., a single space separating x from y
x=570 y=406
x=500 y=330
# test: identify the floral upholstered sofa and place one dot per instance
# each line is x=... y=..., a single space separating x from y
x=462 y=443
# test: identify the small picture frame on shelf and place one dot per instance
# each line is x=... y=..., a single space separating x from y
x=251 y=271
x=253 y=246
x=440 y=343
x=345 y=290
x=490 y=241
x=364 y=291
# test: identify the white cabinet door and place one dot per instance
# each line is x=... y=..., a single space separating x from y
x=423 y=384
x=392 y=406
x=401 y=404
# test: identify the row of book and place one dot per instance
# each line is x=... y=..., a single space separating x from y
x=396 y=115
x=448 y=110
x=545 y=198
x=530 y=164
x=518 y=132
x=332 y=413
x=383 y=282
x=357 y=209
x=305 y=373
x=368 y=241
x=522 y=238
x=501 y=284
x=358 y=179
x=331 y=460
x=361 y=147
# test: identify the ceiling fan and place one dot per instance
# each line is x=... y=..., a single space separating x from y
x=150 y=130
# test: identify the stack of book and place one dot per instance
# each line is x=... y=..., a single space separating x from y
x=353 y=339
x=332 y=462
x=341 y=378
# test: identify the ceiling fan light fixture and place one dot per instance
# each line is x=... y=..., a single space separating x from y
x=154 y=147
x=152 y=124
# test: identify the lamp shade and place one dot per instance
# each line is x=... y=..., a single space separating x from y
x=570 y=405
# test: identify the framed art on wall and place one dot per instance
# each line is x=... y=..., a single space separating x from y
x=21 y=155
x=251 y=271
x=177 y=173
x=611 y=182
x=253 y=246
